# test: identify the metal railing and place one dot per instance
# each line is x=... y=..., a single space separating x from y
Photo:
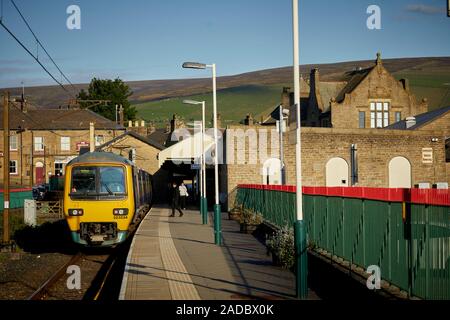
x=406 y=232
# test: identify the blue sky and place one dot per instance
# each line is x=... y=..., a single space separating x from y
x=149 y=39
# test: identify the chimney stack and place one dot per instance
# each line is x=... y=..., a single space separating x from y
x=91 y=137
x=405 y=84
x=249 y=120
x=286 y=97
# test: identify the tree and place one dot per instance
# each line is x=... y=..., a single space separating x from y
x=114 y=90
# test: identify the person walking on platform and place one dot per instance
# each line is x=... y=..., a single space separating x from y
x=183 y=195
x=176 y=200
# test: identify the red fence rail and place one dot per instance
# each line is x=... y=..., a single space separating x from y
x=438 y=197
x=18 y=190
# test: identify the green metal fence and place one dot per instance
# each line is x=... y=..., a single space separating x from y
x=16 y=199
x=410 y=242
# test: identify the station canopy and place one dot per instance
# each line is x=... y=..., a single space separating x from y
x=187 y=150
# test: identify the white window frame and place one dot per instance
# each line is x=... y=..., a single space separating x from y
x=379 y=114
x=97 y=140
x=40 y=144
x=16 y=166
x=11 y=144
x=62 y=167
x=65 y=143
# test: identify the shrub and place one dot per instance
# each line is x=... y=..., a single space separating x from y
x=237 y=209
x=249 y=216
x=281 y=244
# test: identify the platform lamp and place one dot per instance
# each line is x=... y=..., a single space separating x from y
x=203 y=198
x=301 y=265
x=217 y=208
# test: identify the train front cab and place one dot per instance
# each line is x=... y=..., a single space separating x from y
x=99 y=203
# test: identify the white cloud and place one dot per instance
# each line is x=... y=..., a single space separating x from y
x=425 y=9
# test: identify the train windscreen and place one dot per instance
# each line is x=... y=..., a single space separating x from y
x=97 y=181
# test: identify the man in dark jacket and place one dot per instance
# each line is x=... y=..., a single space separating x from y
x=176 y=200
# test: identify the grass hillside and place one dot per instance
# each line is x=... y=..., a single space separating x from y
x=233 y=105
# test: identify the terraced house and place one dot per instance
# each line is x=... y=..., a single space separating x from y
x=43 y=141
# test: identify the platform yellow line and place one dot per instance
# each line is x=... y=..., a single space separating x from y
x=180 y=282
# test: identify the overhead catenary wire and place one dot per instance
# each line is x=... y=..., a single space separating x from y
x=40 y=44
x=34 y=57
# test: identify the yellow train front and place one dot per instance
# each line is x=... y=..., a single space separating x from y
x=105 y=198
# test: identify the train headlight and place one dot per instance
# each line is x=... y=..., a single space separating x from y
x=120 y=212
x=76 y=212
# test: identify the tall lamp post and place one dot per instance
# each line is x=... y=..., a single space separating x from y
x=203 y=199
x=281 y=127
x=299 y=225
x=217 y=208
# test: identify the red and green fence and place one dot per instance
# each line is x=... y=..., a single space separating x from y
x=406 y=232
x=16 y=197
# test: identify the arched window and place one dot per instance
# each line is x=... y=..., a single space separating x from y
x=337 y=173
x=271 y=171
x=399 y=173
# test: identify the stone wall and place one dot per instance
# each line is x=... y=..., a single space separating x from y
x=375 y=147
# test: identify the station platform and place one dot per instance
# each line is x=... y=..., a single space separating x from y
x=175 y=258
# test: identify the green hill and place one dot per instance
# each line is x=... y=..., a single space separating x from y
x=233 y=105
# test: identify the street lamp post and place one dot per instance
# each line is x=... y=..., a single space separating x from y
x=299 y=226
x=217 y=208
x=203 y=199
x=281 y=127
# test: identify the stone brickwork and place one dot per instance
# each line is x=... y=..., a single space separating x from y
x=375 y=150
x=27 y=157
x=376 y=85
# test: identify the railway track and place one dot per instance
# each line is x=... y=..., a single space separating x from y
x=42 y=291
x=101 y=276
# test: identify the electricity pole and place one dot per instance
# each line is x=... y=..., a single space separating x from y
x=6 y=168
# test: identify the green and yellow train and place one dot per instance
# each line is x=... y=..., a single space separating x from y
x=105 y=198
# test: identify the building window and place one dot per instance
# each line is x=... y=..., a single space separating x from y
x=398 y=116
x=38 y=144
x=99 y=140
x=379 y=114
x=59 y=168
x=362 y=119
x=65 y=143
x=13 y=143
x=13 y=168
